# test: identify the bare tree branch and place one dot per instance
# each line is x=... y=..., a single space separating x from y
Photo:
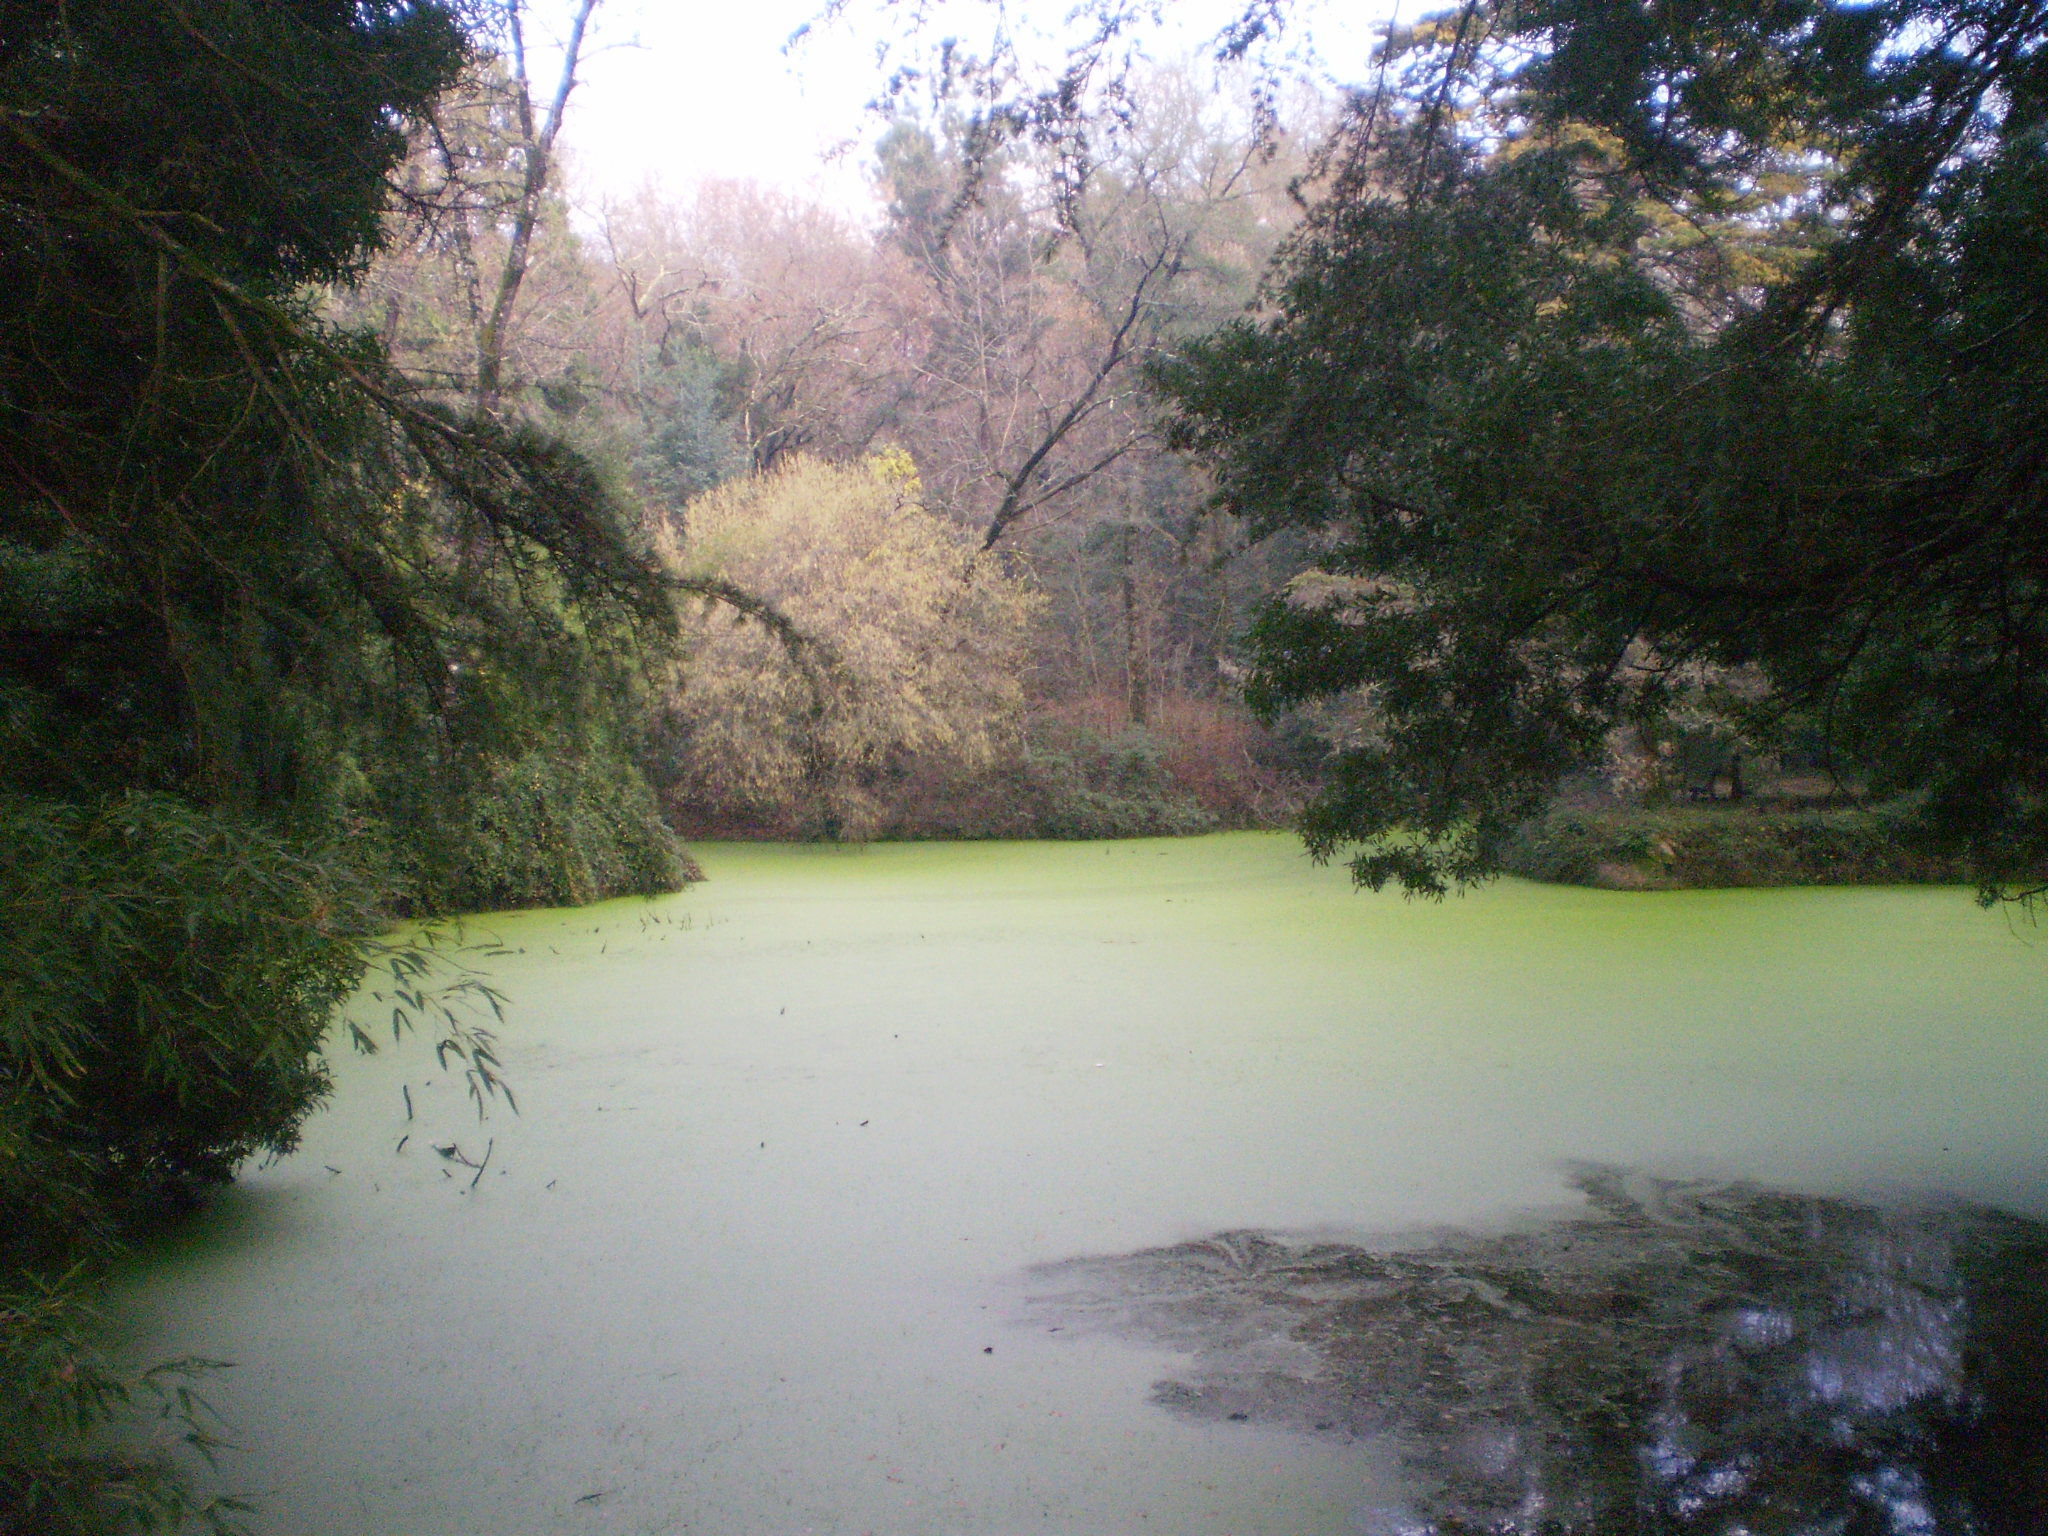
x=537 y=154
x=1164 y=265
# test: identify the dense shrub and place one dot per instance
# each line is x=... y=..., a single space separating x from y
x=1736 y=845
x=1207 y=750
x=1070 y=781
x=911 y=649
x=1081 y=772
x=537 y=830
x=1074 y=771
x=166 y=977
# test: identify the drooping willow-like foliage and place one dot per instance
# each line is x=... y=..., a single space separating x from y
x=267 y=615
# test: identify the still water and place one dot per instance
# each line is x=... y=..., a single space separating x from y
x=1164 y=1187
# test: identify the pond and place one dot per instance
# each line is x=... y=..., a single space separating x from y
x=1165 y=1186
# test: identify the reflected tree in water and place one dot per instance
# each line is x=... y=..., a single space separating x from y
x=1681 y=1356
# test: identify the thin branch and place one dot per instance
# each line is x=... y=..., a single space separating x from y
x=1013 y=504
x=538 y=153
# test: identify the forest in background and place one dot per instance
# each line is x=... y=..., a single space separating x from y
x=1041 y=640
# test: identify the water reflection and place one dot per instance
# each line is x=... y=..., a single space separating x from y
x=1683 y=1356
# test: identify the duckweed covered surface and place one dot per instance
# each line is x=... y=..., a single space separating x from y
x=766 y=1249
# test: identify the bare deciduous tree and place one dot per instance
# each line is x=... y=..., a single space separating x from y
x=534 y=156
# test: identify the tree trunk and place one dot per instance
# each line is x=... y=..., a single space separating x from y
x=1136 y=693
x=537 y=146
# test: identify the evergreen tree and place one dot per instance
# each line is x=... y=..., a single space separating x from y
x=259 y=600
x=1553 y=472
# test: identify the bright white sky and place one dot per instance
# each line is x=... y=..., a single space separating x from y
x=677 y=91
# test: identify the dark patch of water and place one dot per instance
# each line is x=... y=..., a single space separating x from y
x=1683 y=1356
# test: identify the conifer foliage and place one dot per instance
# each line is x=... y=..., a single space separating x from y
x=1638 y=341
x=267 y=617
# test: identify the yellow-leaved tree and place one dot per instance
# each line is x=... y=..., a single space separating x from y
x=913 y=651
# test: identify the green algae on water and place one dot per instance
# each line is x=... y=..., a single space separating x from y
x=784 y=1137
